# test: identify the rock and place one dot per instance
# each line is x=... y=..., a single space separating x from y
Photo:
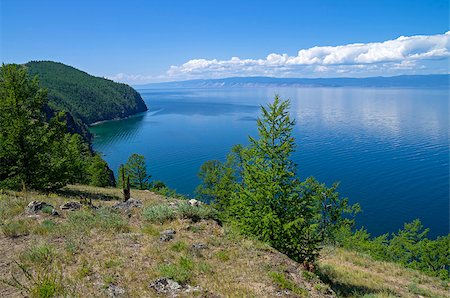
x=36 y=206
x=167 y=235
x=54 y=212
x=71 y=206
x=199 y=246
x=173 y=205
x=194 y=202
x=165 y=286
x=115 y=291
x=131 y=203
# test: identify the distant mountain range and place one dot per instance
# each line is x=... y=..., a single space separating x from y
x=409 y=81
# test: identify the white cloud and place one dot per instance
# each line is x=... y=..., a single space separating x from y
x=404 y=54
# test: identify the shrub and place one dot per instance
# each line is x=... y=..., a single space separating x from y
x=15 y=228
x=41 y=254
x=281 y=281
x=46 y=227
x=159 y=214
x=180 y=272
x=196 y=213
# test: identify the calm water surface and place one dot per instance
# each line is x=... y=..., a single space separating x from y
x=389 y=148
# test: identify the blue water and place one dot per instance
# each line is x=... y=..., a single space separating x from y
x=389 y=148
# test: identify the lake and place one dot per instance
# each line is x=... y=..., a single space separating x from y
x=389 y=148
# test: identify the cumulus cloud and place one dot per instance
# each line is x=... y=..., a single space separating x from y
x=404 y=54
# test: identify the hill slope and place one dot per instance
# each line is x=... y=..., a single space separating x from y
x=100 y=253
x=86 y=97
x=408 y=81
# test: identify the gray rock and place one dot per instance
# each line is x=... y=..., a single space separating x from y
x=165 y=286
x=194 y=202
x=167 y=235
x=115 y=291
x=71 y=206
x=54 y=212
x=131 y=203
x=199 y=246
x=36 y=206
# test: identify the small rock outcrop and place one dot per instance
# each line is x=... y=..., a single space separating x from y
x=115 y=291
x=35 y=206
x=171 y=288
x=131 y=203
x=167 y=235
x=199 y=246
x=71 y=206
x=194 y=202
x=165 y=286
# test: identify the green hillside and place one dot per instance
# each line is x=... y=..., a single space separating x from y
x=86 y=97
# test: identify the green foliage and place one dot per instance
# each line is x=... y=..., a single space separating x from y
x=257 y=188
x=86 y=97
x=98 y=172
x=15 y=228
x=281 y=281
x=196 y=213
x=136 y=169
x=179 y=246
x=162 y=213
x=104 y=219
x=40 y=254
x=219 y=180
x=35 y=149
x=180 y=272
x=159 y=214
x=409 y=247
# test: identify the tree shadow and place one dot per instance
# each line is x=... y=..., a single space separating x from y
x=77 y=194
x=347 y=289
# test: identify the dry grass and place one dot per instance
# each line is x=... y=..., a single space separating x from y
x=84 y=253
x=352 y=274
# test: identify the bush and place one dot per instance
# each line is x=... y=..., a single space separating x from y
x=103 y=219
x=281 y=281
x=16 y=228
x=180 y=272
x=196 y=213
x=40 y=254
x=159 y=214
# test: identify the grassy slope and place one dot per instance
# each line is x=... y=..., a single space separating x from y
x=94 y=253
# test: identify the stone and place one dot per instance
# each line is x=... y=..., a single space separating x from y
x=115 y=291
x=199 y=246
x=36 y=206
x=165 y=286
x=54 y=212
x=194 y=202
x=131 y=203
x=71 y=206
x=167 y=235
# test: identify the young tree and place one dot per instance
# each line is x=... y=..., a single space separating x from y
x=136 y=170
x=219 y=180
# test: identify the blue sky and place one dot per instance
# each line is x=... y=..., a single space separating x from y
x=146 y=41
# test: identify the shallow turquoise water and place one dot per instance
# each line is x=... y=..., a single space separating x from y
x=389 y=148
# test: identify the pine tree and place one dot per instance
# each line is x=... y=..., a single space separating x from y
x=136 y=170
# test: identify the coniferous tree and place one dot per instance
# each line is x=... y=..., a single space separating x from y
x=136 y=170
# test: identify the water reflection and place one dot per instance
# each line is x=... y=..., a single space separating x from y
x=388 y=147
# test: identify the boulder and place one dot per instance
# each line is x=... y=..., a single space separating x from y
x=115 y=291
x=71 y=206
x=199 y=246
x=165 y=286
x=54 y=212
x=131 y=203
x=36 y=206
x=167 y=235
x=194 y=202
